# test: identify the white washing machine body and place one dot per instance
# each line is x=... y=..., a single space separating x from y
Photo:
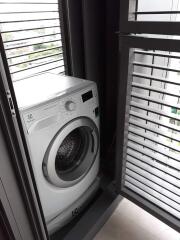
x=64 y=116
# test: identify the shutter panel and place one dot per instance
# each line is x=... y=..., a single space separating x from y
x=32 y=38
x=154 y=17
x=149 y=143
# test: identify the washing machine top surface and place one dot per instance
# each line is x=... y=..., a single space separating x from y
x=44 y=87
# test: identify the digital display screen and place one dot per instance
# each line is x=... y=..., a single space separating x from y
x=86 y=96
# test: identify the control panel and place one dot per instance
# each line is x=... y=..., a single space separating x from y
x=71 y=105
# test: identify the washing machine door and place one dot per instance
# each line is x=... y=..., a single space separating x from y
x=71 y=153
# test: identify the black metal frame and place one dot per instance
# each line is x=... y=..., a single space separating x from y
x=128 y=23
x=65 y=36
x=4 y=224
x=127 y=43
x=72 y=37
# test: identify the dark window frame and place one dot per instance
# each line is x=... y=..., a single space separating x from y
x=63 y=15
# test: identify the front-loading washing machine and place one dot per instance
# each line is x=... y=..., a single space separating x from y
x=60 y=116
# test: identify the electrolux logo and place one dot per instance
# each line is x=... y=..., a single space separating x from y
x=30 y=117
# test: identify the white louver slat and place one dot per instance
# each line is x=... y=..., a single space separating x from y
x=152 y=137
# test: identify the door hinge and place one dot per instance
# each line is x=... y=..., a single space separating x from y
x=11 y=104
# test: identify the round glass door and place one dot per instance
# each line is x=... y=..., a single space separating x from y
x=71 y=153
x=71 y=150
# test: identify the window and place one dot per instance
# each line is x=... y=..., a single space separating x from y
x=156 y=11
x=156 y=17
x=150 y=152
x=149 y=145
x=32 y=38
x=153 y=145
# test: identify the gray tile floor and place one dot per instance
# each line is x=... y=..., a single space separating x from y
x=129 y=222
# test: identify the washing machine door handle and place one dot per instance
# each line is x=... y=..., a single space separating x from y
x=93 y=136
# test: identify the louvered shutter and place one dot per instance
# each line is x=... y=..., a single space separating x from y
x=154 y=17
x=32 y=37
x=148 y=142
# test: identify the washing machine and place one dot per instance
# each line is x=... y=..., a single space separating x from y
x=60 y=117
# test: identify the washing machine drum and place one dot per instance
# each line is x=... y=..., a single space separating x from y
x=71 y=153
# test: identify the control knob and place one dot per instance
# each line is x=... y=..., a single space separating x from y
x=70 y=105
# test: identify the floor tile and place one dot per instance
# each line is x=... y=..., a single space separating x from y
x=130 y=222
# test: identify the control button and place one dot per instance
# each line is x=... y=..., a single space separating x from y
x=96 y=111
x=70 y=106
